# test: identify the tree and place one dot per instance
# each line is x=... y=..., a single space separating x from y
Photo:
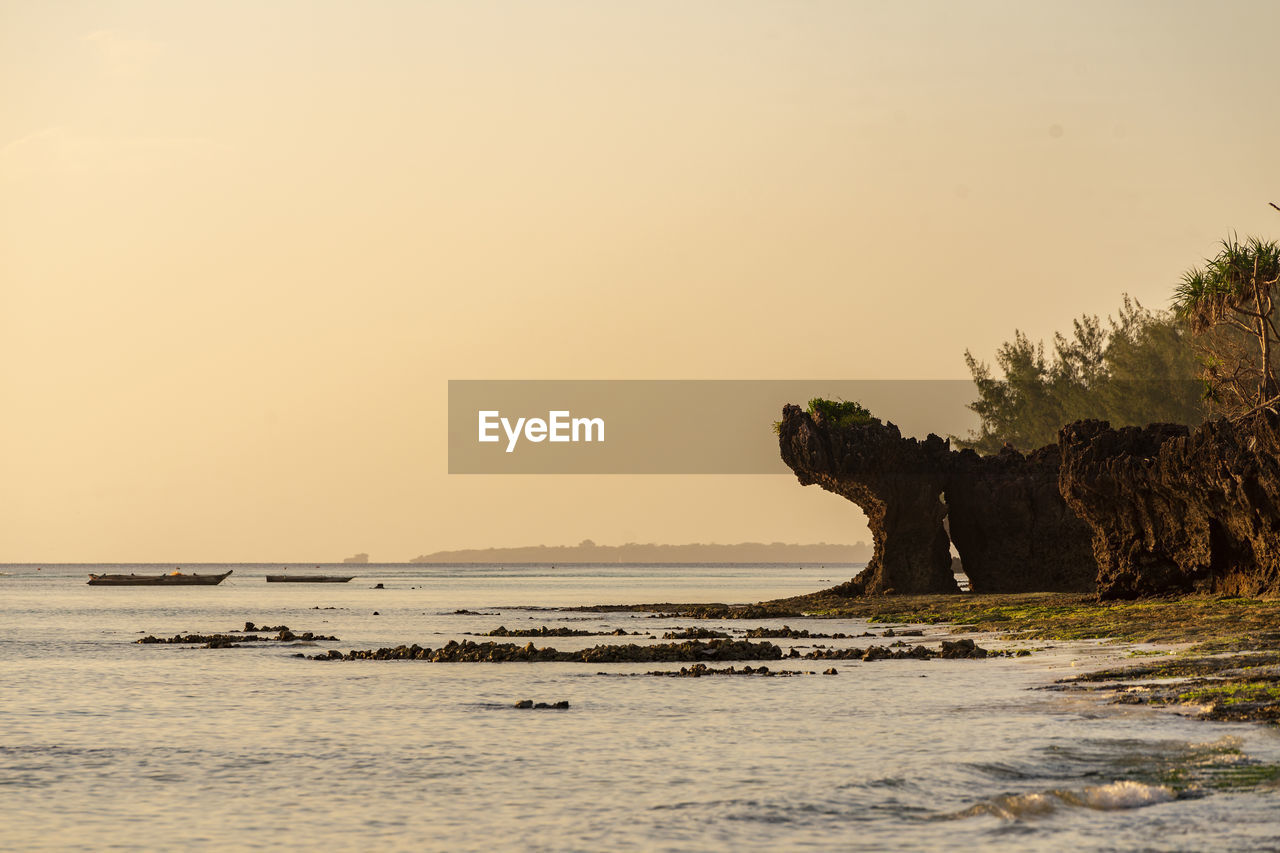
x=1152 y=369
x=1229 y=306
x=1135 y=369
x=1022 y=407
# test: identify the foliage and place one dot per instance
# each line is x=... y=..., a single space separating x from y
x=1135 y=369
x=1228 y=304
x=841 y=413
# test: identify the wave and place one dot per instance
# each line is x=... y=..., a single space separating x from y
x=1124 y=794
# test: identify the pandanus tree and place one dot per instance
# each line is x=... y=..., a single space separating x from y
x=1228 y=304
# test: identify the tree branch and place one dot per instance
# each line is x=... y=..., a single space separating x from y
x=1236 y=324
x=1265 y=404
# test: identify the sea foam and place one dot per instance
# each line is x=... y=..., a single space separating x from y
x=1122 y=794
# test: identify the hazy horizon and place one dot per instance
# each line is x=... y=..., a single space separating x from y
x=337 y=561
x=244 y=246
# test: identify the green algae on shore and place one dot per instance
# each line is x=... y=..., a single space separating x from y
x=1218 y=624
x=1228 y=666
x=1226 y=687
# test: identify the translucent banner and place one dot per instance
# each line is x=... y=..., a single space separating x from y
x=667 y=426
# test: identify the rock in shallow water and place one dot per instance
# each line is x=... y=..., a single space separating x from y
x=489 y=652
x=556 y=706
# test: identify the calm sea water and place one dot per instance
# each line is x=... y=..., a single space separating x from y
x=106 y=744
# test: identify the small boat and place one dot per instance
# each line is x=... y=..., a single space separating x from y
x=171 y=579
x=309 y=578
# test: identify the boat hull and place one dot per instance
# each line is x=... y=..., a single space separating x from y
x=308 y=578
x=158 y=580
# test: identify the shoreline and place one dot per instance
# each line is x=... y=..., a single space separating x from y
x=1223 y=664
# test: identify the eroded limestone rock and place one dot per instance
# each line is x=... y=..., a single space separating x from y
x=1174 y=510
x=896 y=482
x=1007 y=519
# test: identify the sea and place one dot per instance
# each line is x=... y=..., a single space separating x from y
x=108 y=744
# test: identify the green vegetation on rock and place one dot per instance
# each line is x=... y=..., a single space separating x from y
x=839 y=413
x=1233 y=693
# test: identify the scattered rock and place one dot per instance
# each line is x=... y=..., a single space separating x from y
x=699 y=670
x=788 y=633
x=952 y=649
x=249 y=627
x=958 y=649
x=231 y=641
x=695 y=634
x=544 y=631
x=529 y=703
x=489 y=652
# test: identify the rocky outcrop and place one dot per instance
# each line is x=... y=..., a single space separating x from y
x=1013 y=530
x=1007 y=519
x=896 y=482
x=1176 y=511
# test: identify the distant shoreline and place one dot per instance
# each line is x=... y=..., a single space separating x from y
x=652 y=553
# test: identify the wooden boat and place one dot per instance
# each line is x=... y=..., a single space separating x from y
x=171 y=579
x=309 y=578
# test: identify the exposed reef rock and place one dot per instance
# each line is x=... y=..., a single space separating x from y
x=1011 y=526
x=1007 y=519
x=788 y=633
x=950 y=650
x=695 y=633
x=544 y=631
x=233 y=640
x=896 y=481
x=1233 y=687
x=1175 y=511
x=699 y=670
x=469 y=652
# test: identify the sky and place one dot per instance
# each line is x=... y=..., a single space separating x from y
x=244 y=246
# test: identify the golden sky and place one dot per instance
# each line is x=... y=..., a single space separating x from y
x=244 y=245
